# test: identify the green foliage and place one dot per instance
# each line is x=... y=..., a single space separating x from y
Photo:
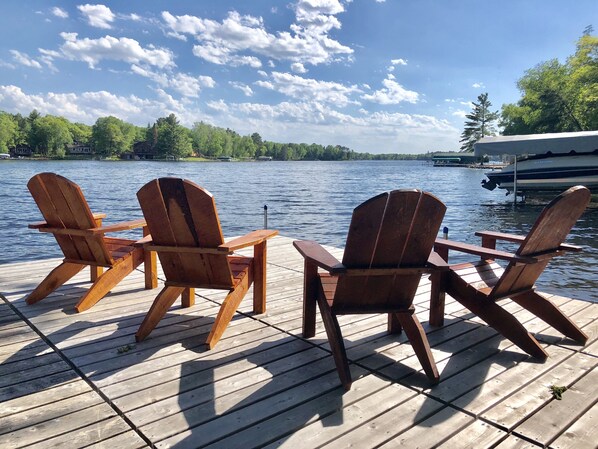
x=172 y=139
x=480 y=123
x=8 y=132
x=80 y=132
x=558 y=97
x=111 y=136
x=52 y=135
x=557 y=392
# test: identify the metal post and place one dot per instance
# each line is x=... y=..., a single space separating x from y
x=445 y=232
x=515 y=181
x=265 y=216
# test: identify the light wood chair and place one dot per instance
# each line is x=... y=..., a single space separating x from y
x=83 y=241
x=479 y=285
x=186 y=234
x=388 y=249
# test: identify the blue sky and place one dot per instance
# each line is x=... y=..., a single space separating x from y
x=377 y=76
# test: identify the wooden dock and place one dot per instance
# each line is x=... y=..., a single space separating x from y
x=79 y=379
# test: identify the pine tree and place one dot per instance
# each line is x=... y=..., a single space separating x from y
x=480 y=123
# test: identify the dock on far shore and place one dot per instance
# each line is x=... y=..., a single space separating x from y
x=79 y=379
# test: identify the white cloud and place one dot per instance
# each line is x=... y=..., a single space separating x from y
x=243 y=88
x=241 y=40
x=303 y=121
x=25 y=59
x=219 y=105
x=59 y=12
x=398 y=61
x=184 y=84
x=459 y=113
x=478 y=85
x=301 y=88
x=93 y=51
x=86 y=107
x=392 y=93
x=297 y=67
x=98 y=16
x=7 y=65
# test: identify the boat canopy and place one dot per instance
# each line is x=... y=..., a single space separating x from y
x=555 y=143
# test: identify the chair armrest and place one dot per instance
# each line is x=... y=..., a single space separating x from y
x=437 y=263
x=147 y=240
x=513 y=238
x=124 y=226
x=486 y=253
x=251 y=239
x=316 y=254
x=501 y=236
x=41 y=224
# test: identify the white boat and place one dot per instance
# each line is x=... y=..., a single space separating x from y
x=543 y=162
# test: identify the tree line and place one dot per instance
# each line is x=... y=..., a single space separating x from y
x=555 y=97
x=111 y=137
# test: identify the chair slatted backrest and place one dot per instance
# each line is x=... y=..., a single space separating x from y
x=179 y=213
x=391 y=230
x=63 y=206
x=549 y=231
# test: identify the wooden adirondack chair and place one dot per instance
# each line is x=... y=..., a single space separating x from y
x=81 y=237
x=186 y=234
x=479 y=285
x=388 y=248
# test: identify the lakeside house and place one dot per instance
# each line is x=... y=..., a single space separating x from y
x=141 y=150
x=21 y=151
x=78 y=148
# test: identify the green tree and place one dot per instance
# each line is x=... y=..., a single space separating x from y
x=9 y=132
x=107 y=136
x=111 y=136
x=173 y=139
x=53 y=135
x=558 y=97
x=200 y=135
x=80 y=132
x=480 y=123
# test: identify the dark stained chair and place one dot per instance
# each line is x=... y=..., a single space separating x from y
x=388 y=249
x=479 y=285
x=82 y=238
x=186 y=234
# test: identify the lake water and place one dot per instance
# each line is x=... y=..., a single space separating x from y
x=307 y=200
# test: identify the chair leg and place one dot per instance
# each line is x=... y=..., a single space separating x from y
x=188 y=298
x=107 y=281
x=95 y=272
x=150 y=266
x=505 y=323
x=335 y=338
x=437 y=298
x=160 y=306
x=226 y=312
x=259 y=278
x=394 y=324
x=57 y=277
x=551 y=314
x=310 y=293
x=419 y=341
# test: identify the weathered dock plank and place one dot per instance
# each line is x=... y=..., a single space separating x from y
x=74 y=380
